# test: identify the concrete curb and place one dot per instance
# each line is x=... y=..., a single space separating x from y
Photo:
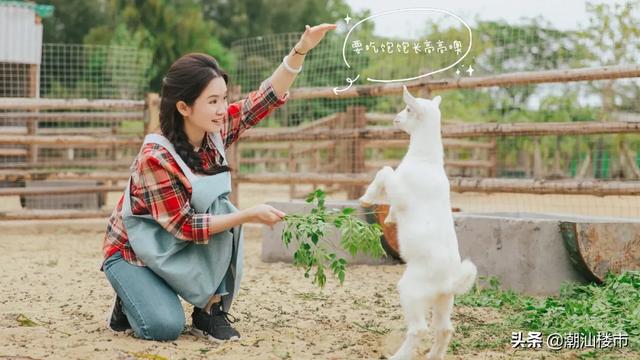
x=525 y=252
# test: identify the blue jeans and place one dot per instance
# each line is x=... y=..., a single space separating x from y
x=150 y=304
x=152 y=307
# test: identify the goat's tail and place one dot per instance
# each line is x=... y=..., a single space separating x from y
x=465 y=278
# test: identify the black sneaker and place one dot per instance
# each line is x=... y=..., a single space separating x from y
x=116 y=319
x=215 y=326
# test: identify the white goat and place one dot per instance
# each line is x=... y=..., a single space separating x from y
x=418 y=195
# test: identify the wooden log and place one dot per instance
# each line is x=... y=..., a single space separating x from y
x=233 y=160
x=303 y=150
x=56 y=174
x=151 y=112
x=380 y=117
x=261 y=160
x=493 y=158
x=447 y=143
x=247 y=145
x=32 y=122
x=14 y=152
x=540 y=129
x=355 y=163
x=13 y=191
x=451 y=131
x=377 y=164
x=292 y=169
x=94 y=131
x=53 y=214
x=503 y=80
x=388 y=118
x=466 y=144
x=13 y=130
x=75 y=116
x=305 y=178
x=532 y=186
x=68 y=140
x=460 y=184
x=319 y=123
x=61 y=165
x=599 y=248
x=69 y=104
x=468 y=163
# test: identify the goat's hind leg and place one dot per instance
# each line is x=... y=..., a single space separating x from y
x=414 y=307
x=442 y=326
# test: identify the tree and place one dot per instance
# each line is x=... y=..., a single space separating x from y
x=73 y=19
x=239 y=19
x=169 y=29
x=612 y=38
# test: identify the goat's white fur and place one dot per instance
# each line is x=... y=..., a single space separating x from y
x=418 y=195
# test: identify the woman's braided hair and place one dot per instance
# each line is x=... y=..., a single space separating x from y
x=185 y=81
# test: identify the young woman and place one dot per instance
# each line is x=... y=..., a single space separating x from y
x=174 y=232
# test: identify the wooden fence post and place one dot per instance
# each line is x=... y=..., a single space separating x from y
x=233 y=154
x=292 y=169
x=354 y=149
x=151 y=112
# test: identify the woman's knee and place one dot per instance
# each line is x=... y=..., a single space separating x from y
x=163 y=326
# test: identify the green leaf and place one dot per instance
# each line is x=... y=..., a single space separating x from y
x=347 y=211
x=356 y=236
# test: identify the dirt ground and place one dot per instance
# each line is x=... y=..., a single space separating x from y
x=50 y=275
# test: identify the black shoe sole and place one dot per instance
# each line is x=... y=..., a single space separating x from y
x=201 y=334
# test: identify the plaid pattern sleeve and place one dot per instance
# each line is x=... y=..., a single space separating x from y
x=247 y=112
x=159 y=188
x=164 y=192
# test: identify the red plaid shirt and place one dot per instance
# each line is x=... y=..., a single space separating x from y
x=159 y=187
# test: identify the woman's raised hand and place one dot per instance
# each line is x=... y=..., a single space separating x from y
x=264 y=214
x=312 y=36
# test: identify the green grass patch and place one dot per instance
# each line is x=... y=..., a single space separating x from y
x=612 y=307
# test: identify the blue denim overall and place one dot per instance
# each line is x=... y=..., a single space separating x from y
x=193 y=271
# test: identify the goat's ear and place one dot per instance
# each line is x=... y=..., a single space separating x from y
x=408 y=98
x=437 y=100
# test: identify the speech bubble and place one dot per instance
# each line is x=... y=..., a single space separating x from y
x=432 y=10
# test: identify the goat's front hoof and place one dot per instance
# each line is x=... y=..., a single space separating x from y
x=364 y=202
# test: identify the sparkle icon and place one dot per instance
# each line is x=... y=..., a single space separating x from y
x=347 y=19
x=457 y=71
x=470 y=70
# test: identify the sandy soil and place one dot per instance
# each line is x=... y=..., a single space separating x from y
x=282 y=315
x=50 y=275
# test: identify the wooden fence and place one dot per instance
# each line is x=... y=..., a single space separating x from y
x=310 y=150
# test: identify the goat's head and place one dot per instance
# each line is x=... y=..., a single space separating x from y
x=419 y=114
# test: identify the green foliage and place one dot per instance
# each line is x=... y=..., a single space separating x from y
x=242 y=19
x=168 y=28
x=72 y=20
x=612 y=39
x=612 y=307
x=313 y=251
x=490 y=296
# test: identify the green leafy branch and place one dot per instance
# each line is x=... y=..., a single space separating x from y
x=309 y=232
